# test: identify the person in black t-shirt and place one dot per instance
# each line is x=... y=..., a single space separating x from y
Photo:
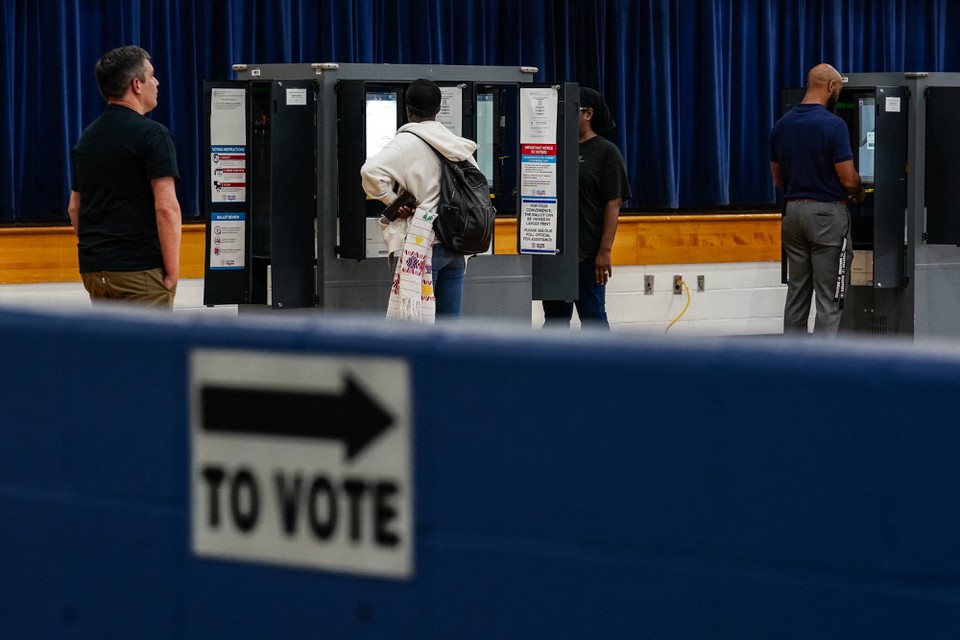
x=123 y=203
x=603 y=188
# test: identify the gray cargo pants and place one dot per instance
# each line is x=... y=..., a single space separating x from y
x=812 y=235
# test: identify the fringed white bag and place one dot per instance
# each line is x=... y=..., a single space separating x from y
x=411 y=296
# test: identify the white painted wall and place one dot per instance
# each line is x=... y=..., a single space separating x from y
x=739 y=299
x=743 y=298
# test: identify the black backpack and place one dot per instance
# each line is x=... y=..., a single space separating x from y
x=464 y=222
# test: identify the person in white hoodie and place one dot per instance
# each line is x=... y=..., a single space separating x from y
x=428 y=280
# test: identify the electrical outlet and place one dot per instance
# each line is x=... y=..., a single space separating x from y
x=677 y=285
x=701 y=283
x=648 y=285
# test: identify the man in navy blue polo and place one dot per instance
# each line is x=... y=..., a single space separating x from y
x=812 y=162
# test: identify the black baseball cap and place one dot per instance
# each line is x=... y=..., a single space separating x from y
x=423 y=97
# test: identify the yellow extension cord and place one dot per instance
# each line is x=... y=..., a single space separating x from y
x=684 y=308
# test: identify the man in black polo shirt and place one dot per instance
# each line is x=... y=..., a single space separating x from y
x=811 y=161
x=123 y=203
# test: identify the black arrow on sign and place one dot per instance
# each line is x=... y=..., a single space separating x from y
x=350 y=416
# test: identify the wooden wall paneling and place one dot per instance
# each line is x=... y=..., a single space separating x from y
x=49 y=254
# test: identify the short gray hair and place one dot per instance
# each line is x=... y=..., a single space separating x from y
x=116 y=69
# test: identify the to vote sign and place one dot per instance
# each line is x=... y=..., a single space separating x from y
x=302 y=460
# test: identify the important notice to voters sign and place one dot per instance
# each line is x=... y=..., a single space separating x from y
x=538 y=170
x=302 y=460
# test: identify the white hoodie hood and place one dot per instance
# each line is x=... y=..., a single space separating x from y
x=442 y=139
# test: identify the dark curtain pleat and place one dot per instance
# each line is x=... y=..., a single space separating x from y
x=694 y=85
x=8 y=146
x=645 y=96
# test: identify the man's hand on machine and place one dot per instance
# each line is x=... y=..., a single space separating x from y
x=857 y=196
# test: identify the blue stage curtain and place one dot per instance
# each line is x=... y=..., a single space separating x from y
x=693 y=84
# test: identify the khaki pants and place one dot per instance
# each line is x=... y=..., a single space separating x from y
x=142 y=287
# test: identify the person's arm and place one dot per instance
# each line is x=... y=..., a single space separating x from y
x=604 y=263
x=775 y=172
x=73 y=210
x=850 y=180
x=379 y=173
x=168 y=227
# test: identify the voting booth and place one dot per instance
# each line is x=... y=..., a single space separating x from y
x=288 y=223
x=905 y=276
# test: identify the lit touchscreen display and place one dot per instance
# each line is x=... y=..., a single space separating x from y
x=485 y=135
x=867 y=144
x=381 y=121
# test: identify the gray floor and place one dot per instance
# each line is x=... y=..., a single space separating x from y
x=65 y=295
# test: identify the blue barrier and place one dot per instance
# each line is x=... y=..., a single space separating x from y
x=563 y=486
